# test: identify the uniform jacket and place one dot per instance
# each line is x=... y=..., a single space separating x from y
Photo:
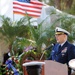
x=65 y=54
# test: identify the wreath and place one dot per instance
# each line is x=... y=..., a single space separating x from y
x=12 y=66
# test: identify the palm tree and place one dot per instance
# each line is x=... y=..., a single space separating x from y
x=10 y=30
x=40 y=36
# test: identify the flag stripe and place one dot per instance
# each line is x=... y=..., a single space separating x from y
x=33 y=8
x=37 y=3
x=15 y=12
x=27 y=12
x=37 y=11
x=27 y=5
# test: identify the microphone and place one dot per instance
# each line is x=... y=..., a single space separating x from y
x=46 y=49
x=50 y=46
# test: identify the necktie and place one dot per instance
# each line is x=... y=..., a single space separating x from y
x=59 y=49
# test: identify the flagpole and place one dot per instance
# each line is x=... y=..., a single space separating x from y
x=12 y=10
x=13 y=16
x=0 y=7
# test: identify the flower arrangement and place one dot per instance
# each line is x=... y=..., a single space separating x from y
x=12 y=66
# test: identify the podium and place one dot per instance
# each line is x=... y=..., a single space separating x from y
x=51 y=68
x=55 y=68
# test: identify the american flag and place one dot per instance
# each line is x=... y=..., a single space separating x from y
x=30 y=7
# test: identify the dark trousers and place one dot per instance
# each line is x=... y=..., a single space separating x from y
x=69 y=71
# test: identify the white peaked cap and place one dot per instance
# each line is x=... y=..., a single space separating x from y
x=32 y=63
x=57 y=29
x=72 y=64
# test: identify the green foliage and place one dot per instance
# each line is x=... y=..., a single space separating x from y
x=67 y=6
x=10 y=30
x=20 y=44
x=2 y=70
x=72 y=9
x=40 y=36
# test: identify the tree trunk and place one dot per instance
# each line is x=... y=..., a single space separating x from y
x=69 y=3
x=57 y=4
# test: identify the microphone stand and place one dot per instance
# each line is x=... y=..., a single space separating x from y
x=46 y=50
x=42 y=54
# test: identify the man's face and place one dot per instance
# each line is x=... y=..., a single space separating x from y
x=60 y=38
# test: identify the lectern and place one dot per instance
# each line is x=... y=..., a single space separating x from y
x=52 y=68
x=55 y=68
